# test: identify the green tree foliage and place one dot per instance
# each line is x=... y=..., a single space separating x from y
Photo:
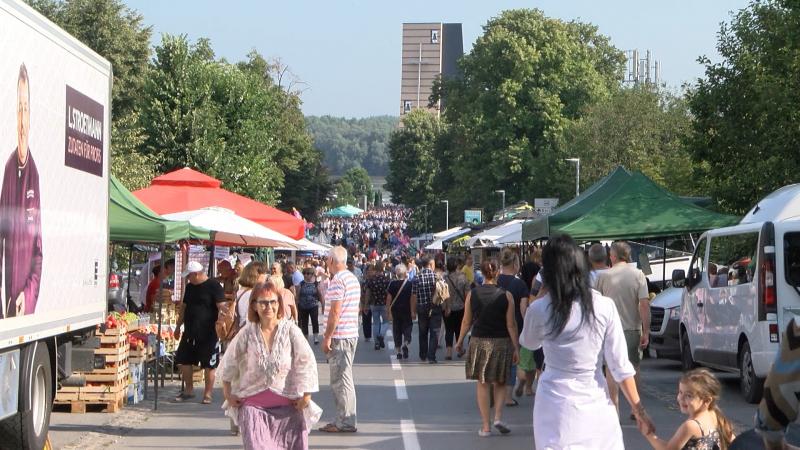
x=747 y=120
x=229 y=121
x=527 y=77
x=641 y=128
x=117 y=33
x=413 y=164
x=357 y=182
x=349 y=143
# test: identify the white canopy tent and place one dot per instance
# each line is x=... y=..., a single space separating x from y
x=304 y=245
x=507 y=233
x=232 y=229
x=443 y=236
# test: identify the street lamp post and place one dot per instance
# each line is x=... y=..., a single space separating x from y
x=503 y=193
x=577 y=162
x=364 y=190
x=446 y=214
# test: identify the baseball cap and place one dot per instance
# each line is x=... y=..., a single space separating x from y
x=192 y=267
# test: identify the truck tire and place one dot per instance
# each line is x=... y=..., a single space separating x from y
x=28 y=428
x=687 y=362
x=752 y=386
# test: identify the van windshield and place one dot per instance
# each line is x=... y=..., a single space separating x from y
x=791 y=252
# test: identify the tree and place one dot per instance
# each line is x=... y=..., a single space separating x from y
x=747 y=123
x=230 y=121
x=117 y=33
x=361 y=183
x=527 y=77
x=348 y=143
x=641 y=128
x=412 y=159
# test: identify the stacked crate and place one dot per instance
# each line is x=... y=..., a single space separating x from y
x=105 y=388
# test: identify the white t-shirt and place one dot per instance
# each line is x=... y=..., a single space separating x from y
x=243 y=294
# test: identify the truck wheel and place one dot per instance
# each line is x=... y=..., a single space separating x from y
x=687 y=362
x=752 y=386
x=28 y=428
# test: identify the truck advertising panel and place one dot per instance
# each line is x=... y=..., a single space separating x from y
x=54 y=150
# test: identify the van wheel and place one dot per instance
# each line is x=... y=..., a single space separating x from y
x=28 y=429
x=687 y=362
x=752 y=386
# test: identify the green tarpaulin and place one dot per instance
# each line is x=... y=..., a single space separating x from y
x=344 y=211
x=625 y=205
x=131 y=221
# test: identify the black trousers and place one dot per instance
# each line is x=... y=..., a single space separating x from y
x=402 y=325
x=429 y=323
x=366 y=324
x=452 y=326
x=304 y=315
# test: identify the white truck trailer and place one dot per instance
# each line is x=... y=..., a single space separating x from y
x=55 y=122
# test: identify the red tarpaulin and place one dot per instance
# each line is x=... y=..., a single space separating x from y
x=186 y=189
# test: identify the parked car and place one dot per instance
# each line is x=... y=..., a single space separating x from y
x=741 y=290
x=665 y=313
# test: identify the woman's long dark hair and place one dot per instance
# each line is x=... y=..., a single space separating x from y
x=565 y=273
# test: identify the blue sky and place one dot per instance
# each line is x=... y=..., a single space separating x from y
x=347 y=52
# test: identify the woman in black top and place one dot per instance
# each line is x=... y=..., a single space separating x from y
x=398 y=301
x=493 y=346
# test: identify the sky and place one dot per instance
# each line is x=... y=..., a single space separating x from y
x=346 y=54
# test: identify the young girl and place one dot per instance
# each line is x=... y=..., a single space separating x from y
x=707 y=428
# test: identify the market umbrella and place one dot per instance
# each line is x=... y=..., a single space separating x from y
x=344 y=211
x=188 y=190
x=231 y=229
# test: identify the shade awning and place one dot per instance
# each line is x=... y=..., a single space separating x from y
x=625 y=205
x=233 y=230
x=344 y=211
x=507 y=233
x=437 y=244
x=132 y=221
x=188 y=190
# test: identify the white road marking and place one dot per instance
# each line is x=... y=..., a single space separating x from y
x=400 y=389
x=395 y=363
x=409 y=431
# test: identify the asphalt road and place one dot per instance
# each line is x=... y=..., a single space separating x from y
x=404 y=406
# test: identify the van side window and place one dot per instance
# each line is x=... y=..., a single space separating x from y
x=697 y=267
x=791 y=251
x=731 y=260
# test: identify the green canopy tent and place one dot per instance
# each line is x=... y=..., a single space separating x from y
x=131 y=221
x=344 y=211
x=625 y=205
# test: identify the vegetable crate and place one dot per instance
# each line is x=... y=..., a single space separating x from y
x=106 y=388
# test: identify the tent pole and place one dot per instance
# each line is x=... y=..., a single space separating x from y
x=158 y=344
x=664 y=268
x=130 y=266
x=212 y=266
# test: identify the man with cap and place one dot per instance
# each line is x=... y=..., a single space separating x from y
x=199 y=343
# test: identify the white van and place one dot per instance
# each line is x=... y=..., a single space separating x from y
x=742 y=289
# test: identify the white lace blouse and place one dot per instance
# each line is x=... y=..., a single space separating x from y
x=289 y=370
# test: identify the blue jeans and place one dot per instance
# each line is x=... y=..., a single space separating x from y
x=429 y=321
x=380 y=321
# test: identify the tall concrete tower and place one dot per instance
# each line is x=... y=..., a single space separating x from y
x=430 y=50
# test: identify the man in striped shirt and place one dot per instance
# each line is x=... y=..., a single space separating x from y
x=341 y=337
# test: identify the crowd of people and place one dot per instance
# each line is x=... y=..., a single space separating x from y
x=379 y=230
x=567 y=327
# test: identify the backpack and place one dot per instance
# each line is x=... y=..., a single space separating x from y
x=227 y=324
x=442 y=292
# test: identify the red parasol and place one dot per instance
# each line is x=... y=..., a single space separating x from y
x=186 y=189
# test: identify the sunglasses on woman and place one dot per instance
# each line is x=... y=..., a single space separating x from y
x=267 y=302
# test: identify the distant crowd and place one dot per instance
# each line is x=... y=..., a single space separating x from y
x=379 y=230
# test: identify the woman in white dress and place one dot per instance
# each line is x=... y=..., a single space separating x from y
x=579 y=329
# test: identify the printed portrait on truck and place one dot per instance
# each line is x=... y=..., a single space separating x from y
x=20 y=215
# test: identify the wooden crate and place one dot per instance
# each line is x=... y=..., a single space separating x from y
x=111 y=405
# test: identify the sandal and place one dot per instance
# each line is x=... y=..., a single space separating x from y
x=332 y=428
x=182 y=397
x=501 y=427
x=207 y=400
x=482 y=433
x=518 y=389
x=513 y=403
